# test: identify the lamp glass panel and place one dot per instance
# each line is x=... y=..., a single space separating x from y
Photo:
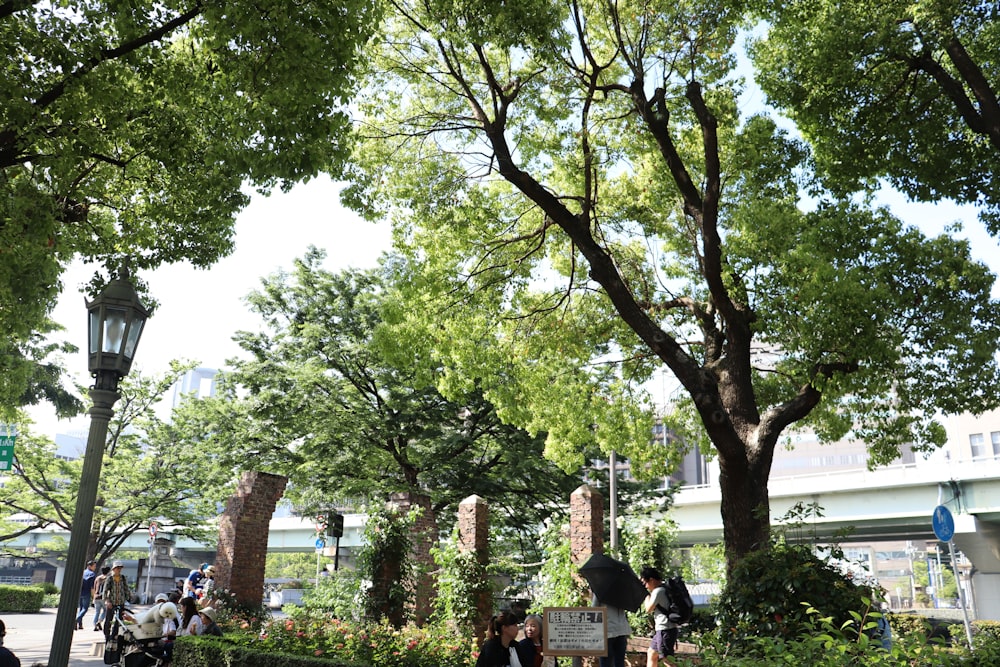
x=134 y=332
x=114 y=329
x=94 y=336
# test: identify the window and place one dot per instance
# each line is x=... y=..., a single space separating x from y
x=978 y=448
x=995 y=437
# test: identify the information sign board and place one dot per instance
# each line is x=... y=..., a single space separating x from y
x=575 y=631
x=7 y=452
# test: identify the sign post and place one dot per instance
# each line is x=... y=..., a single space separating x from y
x=153 y=527
x=944 y=528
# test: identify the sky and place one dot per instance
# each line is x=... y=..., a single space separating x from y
x=200 y=309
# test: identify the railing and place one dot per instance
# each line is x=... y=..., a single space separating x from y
x=936 y=470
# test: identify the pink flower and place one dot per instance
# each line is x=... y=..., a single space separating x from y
x=318 y=652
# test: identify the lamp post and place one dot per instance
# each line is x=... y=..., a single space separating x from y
x=116 y=318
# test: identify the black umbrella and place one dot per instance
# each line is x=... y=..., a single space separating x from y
x=613 y=582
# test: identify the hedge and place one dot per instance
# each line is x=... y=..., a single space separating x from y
x=221 y=652
x=21 y=599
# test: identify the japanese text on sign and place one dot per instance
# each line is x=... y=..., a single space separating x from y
x=575 y=631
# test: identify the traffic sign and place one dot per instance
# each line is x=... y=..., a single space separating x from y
x=320 y=544
x=943 y=523
x=7 y=451
x=153 y=528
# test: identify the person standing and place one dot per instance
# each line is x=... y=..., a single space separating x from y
x=619 y=631
x=99 y=611
x=193 y=581
x=664 y=639
x=86 y=592
x=7 y=658
x=116 y=595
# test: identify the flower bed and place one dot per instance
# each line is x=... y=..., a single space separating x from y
x=435 y=645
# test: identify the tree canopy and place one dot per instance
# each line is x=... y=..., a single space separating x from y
x=130 y=130
x=582 y=202
x=907 y=91
x=329 y=399
x=145 y=476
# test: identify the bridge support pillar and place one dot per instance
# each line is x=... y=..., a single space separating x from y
x=980 y=542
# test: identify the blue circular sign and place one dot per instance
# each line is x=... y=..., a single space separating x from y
x=943 y=523
x=320 y=543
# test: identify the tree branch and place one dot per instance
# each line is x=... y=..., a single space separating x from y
x=106 y=55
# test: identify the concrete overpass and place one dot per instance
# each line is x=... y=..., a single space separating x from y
x=887 y=504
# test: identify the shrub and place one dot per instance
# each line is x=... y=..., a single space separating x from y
x=903 y=624
x=21 y=599
x=822 y=643
x=770 y=592
x=339 y=595
x=434 y=645
x=48 y=588
x=222 y=652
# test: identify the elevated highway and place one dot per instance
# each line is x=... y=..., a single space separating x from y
x=892 y=503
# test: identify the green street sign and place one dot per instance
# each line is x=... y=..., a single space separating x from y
x=7 y=452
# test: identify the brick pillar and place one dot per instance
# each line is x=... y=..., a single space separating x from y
x=425 y=534
x=586 y=524
x=474 y=535
x=243 y=531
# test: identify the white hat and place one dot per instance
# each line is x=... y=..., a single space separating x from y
x=117 y=563
x=162 y=597
x=208 y=611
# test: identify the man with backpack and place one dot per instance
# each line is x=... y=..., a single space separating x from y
x=664 y=639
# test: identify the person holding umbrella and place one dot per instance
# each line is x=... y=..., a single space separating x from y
x=664 y=639
x=616 y=588
x=619 y=631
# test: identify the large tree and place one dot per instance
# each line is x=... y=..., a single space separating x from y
x=145 y=475
x=584 y=204
x=899 y=89
x=129 y=129
x=325 y=397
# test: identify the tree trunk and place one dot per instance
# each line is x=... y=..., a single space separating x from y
x=746 y=509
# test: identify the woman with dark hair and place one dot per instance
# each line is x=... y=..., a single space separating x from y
x=189 y=616
x=500 y=649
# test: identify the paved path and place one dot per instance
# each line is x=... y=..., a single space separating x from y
x=29 y=636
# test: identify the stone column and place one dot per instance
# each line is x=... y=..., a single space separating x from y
x=474 y=535
x=161 y=569
x=243 y=532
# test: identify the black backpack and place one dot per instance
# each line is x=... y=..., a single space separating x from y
x=681 y=605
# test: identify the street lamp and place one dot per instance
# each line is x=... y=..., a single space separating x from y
x=116 y=319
